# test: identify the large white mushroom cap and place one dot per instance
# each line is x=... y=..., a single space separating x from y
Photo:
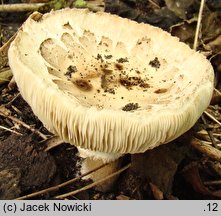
x=109 y=84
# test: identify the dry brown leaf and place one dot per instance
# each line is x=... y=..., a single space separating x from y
x=5 y=76
x=179 y=7
x=192 y=175
x=214 y=45
x=157 y=193
x=122 y=197
x=184 y=31
x=159 y=165
x=143 y=11
x=211 y=26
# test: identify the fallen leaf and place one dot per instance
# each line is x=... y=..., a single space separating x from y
x=180 y=7
x=157 y=193
x=192 y=175
x=211 y=26
x=142 y=11
x=214 y=45
x=184 y=31
x=122 y=197
x=159 y=165
x=5 y=76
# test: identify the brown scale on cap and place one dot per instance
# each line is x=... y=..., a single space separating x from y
x=160 y=91
x=84 y=85
x=119 y=66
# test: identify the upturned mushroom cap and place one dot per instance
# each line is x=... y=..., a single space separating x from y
x=109 y=84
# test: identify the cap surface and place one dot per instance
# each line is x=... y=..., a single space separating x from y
x=109 y=84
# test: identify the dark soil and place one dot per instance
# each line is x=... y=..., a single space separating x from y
x=35 y=167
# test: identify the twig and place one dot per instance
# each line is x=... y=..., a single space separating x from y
x=52 y=143
x=213 y=118
x=204 y=132
x=20 y=7
x=154 y=3
x=11 y=101
x=93 y=7
x=195 y=44
x=56 y=187
x=209 y=132
x=210 y=183
x=217 y=91
x=5 y=113
x=207 y=149
x=93 y=184
x=8 y=129
x=210 y=143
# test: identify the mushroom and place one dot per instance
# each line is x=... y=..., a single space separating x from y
x=108 y=85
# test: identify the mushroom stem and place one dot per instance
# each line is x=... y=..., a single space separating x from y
x=92 y=159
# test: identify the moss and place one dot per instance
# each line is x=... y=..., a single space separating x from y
x=80 y=4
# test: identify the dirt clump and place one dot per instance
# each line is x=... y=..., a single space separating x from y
x=35 y=166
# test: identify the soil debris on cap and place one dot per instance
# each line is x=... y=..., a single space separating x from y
x=70 y=70
x=130 y=107
x=108 y=56
x=99 y=57
x=129 y=82
x=110 y=90
x=122 y=60
x=155 y=63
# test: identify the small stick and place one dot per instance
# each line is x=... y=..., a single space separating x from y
x=208 y=142
x=217 y=91
x=209 y=132
x=5 y=113
x=95 y=8
x=154 y=3
x=213 y=118
x=8 y=129
x=11 y=101
x=195 y=44
x=53 y=142
x=204 y=132
x=93 y=184
x=207 y=149
x=22 y=7
x=56 y=187
x=210 y=183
